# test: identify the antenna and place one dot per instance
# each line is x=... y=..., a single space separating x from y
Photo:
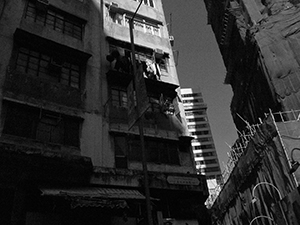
x=170 y=23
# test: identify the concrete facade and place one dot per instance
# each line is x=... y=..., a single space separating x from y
x=199 y=128
x=64 y=73
x=205 y=154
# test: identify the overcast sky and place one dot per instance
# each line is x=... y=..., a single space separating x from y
x=201 y=65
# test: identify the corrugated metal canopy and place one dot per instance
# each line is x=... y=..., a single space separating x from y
x=93 y=192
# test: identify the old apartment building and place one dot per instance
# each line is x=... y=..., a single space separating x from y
x=67 y=154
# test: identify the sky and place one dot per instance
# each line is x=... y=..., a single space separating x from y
x=200 y=65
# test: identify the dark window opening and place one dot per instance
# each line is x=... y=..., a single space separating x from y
x=199 y=126
x=55 y=19
x=204 y=154
x=120 y=152
x=158 y=150
x=40 y=124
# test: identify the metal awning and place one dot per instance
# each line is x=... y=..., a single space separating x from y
x=94 y=192
x=95 y=196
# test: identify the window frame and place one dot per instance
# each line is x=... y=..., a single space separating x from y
x=165 y=151
x=57 y=19
x=47 y=66
x=118 y=97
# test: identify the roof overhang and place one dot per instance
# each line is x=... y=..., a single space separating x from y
x=95 y=196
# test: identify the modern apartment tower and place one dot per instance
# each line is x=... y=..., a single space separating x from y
x=70 y=152
x=198 y=125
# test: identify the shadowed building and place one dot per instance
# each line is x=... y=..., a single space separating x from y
x=67 y=154
x=259 y=43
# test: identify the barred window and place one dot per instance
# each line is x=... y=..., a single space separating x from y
x=56 y=19
x=48 y=67
x=42 y=125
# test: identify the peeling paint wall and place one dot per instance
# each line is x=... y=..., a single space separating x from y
x=263 y=166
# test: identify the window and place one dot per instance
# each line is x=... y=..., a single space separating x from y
x=204 y=154
x=205 y=139
x=191 y=95
x=119 y=97
x=208 y=161
x=204 y=147
x=198 y=126
x=158 y=150
x=210 y=169
x=56 y=19
x=47 y=66
x=152 y=66
x=42 y=125
x=193 y=101
x=195 y=113
x=120 y=152
x=197 y=119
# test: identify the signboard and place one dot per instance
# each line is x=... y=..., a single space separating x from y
x=141 y=91
x=183 y=180
x=137 y=95
x=132 y=115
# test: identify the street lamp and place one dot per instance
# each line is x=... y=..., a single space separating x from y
x=140 y=121
x=295 y=164
x=266 y=217
x=254 y=199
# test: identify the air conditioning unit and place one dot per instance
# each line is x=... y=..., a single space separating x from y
x=42 y=5
x=159 y=53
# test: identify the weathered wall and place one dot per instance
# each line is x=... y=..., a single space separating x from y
x=263 y=161
x=259 y=44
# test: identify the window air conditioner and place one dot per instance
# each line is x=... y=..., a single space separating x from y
x=159 y=53
x=42 y=5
